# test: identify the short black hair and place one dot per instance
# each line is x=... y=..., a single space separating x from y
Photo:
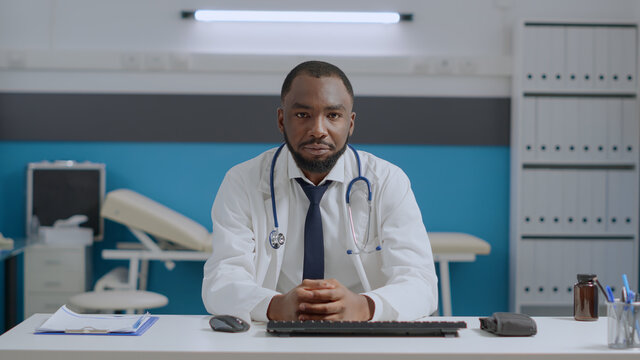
x=316 y=69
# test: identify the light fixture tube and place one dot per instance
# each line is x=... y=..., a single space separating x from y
x=297 y=16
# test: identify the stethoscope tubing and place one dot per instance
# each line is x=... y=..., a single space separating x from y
x=357 y=261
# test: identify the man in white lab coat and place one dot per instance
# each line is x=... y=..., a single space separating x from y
x=389 y=277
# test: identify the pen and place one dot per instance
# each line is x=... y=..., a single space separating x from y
x=630 y=295
x=609 y=294
x=139 y=322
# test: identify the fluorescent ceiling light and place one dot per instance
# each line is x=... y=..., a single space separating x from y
x=297 y=16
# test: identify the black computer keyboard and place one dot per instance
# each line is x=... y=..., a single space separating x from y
x=367 y=328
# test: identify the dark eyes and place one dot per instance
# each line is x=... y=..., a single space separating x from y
x=302 y=115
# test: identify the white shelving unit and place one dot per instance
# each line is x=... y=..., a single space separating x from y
x=575 y=135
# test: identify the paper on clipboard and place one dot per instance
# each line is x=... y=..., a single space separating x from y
x=69 y=322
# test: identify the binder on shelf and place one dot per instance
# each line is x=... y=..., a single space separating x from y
x=528 y=218
x=580 y=55
x=585 y=129
x=622 y=203
x=556 y=123
x=583 y=218
x=629 y=59
x=543 y=202
x=554 y=201
x=530 y=56
x=542 y=51
x=599 y=202
x=528 y=132
x=543 y=128
x=601 y=58
x=568 y=272
x=570 y=201
x=630 y=130
x=622 y=58
x=599 y=128
x=527 y=266
x=628 y=191
x=614 y=129
x=570 y=131
x=556 y=271
x=541 y=272
x=556 y=57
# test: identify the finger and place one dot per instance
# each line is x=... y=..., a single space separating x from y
x=320 y=308
x=324 y=295
x=319 y=317
x=303 y=294
x=317 y=284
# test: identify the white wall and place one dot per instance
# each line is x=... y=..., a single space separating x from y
x=453 y=47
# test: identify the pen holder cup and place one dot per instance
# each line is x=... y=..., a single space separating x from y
x=623 y=325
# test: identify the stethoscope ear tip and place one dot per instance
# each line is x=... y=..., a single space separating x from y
x=378 y=248
x=349 y=252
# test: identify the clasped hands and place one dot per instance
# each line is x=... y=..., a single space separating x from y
x=321 y=300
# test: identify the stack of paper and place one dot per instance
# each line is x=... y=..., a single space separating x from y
x=67 y=321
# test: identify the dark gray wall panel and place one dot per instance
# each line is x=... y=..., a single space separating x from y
x=243 y=118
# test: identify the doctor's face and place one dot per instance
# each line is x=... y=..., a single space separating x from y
x=316 y=120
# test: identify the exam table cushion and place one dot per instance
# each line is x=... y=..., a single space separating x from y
x=118 y=300
x=450 y=242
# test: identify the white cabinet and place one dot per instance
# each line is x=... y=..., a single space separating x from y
x=574 y=161
x=52 y=274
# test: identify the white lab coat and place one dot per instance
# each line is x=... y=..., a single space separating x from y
x=242 y=273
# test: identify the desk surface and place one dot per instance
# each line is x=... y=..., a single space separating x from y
x=189 y=337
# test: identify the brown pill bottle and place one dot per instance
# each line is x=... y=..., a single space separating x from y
x=585 y=298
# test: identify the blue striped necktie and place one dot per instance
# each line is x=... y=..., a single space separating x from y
x=313 y=267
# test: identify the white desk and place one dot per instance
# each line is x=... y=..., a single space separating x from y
x=189 y=337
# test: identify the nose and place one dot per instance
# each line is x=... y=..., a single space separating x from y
x=318 y=127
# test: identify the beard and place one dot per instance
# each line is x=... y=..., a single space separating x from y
x=316 y=166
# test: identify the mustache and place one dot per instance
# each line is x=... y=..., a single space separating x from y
x=319 y=142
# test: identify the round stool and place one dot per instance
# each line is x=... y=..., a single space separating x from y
x=118 y=300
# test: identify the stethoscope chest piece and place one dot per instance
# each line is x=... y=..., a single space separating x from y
x=276 y=239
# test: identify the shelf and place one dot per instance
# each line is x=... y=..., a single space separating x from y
x=581 y=93
x=577 y=237
x=605 y=165
x=575 y=160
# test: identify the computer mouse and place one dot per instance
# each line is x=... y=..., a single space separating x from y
x=228 y=323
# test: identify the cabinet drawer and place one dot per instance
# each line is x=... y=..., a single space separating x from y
x=52 y=259
x=55 y=269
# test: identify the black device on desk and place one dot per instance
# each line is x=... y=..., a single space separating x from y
x=228 y=323
x=367 y=328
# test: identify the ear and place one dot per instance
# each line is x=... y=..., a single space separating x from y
x=352 y=123
x=281 y=120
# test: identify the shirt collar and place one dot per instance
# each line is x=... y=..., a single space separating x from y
x=336 y=174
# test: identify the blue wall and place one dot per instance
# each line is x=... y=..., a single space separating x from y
x=459 y=188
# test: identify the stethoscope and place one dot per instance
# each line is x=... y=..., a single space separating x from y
x=276 y=238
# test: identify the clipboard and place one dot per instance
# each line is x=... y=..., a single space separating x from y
x=90 y=331
x=64 y=321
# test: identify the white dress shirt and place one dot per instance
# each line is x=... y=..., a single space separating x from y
x=244 y=272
